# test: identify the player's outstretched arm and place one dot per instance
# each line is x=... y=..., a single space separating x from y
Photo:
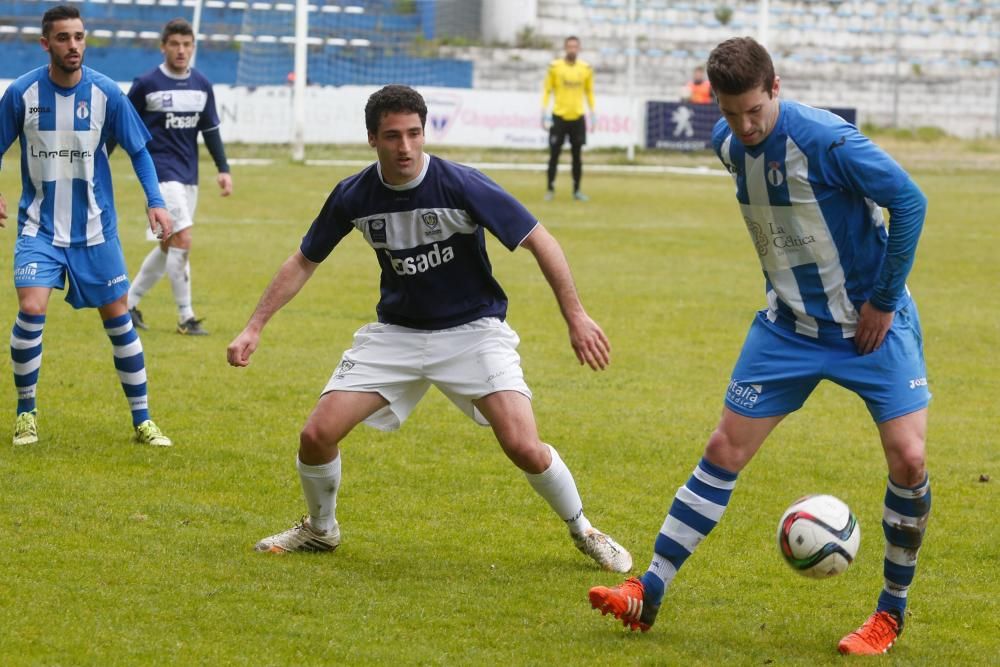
x=292 y=275
x=585 y=335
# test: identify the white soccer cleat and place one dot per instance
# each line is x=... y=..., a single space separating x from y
x=300 y=537
x=26 y=429
x=605 y=551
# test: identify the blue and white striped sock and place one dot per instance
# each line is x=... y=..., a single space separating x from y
x=697 y=507
x=904 y=520
x=26 y=357
x=130 y=363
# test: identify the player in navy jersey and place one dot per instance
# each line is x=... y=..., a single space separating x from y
x=811 y=190
x=440 y=320
x=176 y=102
x=64 y=114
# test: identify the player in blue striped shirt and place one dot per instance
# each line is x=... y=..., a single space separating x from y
x=64 y=114
x=811 y=189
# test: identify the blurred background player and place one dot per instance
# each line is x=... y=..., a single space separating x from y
x=176 y=102
x=568 y=80
x=699 y=89
x=67 y=227
x=440 y=320
x=811 y=189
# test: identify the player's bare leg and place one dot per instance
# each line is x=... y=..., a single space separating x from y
x=510 y=415
x=319 y=465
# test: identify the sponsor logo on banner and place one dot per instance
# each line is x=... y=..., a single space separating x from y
x=442 y=114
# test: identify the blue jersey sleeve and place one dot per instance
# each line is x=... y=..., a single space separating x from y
x=907 y=211
x=853 y=162
x=126 y=126
x=330 y=226
x=11 y=119
x=495 y=209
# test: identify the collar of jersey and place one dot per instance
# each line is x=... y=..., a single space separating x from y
x=412 y=184
x=170 y=75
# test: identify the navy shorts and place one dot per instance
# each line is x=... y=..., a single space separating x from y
x=778 y=369
x=97 y=273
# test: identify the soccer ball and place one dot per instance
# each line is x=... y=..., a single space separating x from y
x=819 y=536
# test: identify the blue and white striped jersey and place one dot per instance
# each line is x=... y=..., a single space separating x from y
x=811 y=195
x=429 y=240
x=67 y=198
x=175 y=109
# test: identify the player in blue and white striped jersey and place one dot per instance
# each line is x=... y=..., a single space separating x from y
x=811 y=189
x=440 y=320
x=64 y=114
x=176 y=102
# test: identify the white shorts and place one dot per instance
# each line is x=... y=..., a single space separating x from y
x=181 y=201
x=465 y=362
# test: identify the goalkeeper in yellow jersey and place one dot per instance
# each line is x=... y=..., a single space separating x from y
x=568 y=80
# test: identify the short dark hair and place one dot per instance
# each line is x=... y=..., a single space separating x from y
x=176 y=26
x=738 y=65
x=58 y=13
x=393 y=99
x=571 y=38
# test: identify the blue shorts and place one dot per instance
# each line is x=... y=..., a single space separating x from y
x=97 y=273
x=778 y=369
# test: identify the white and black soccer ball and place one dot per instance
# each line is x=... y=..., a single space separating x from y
x=819 y=536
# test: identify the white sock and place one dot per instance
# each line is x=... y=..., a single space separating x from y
x=152 y=269
x=319 y=485
x=180 y=280
x=557 y=487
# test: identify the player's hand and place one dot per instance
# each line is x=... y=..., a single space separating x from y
x=589 y=342
x=225 y=181
x=3 y=211
x=873 y=325
x=160 y=222
x=239 y=351
x=593 y=121
x=546 y=121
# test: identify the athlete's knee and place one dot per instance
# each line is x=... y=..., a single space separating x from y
x=908 y=466
x=725 y=452
x=33 y=306
x=317 y=436
x=528 y=454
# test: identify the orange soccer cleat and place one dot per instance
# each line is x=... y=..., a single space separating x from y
x=627 y=602
x=875 y=637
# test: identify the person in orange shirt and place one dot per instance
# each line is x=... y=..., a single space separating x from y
x=698 y=88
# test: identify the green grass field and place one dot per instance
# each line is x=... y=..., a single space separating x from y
x=117 y=554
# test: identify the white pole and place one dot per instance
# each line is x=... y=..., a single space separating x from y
x=195 y=27
x=630 y=80
x=763 y=22
x=299 y=88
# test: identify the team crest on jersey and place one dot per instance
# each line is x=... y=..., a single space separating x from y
x=774 y=175
x=758 y=236
x=431 y=223
x=376 y=230
x=167 y=100
x=82 y=110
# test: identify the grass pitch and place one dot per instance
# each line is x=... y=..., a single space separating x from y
x=118 y=554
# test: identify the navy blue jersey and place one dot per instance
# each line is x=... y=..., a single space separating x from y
x=67 y=199
x=429 y=240
x=175 y=109
x=811 y=195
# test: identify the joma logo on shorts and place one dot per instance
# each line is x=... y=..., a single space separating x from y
x=117 y=279
x=411 y=266
x=918 y=382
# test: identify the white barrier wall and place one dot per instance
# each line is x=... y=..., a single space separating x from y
x=455 y=117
